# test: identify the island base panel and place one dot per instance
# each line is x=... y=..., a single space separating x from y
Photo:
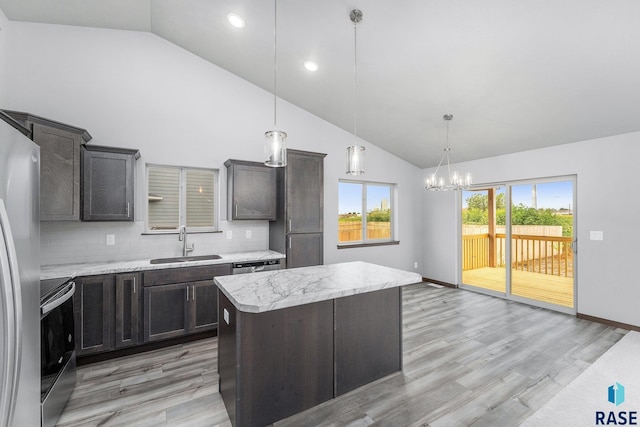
x=368 y=338
x=283 y=361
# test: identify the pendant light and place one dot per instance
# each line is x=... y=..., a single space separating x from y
x=454 y=181
x=355 y=153
x=275 y=148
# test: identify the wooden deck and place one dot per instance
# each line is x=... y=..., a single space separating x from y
x=541 y=287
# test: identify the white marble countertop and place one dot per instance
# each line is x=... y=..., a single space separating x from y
x=93 y=268
x=272 y=290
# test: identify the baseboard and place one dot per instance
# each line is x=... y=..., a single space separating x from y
x=438 y=282
x=608 y=322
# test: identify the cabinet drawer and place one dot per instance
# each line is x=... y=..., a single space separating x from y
x=185 y=274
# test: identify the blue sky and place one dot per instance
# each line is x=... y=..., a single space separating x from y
x=550 y=195
x=350 y=196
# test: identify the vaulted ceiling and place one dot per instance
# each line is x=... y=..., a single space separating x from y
x=516 y=75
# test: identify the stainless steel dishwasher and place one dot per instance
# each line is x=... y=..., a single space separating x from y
x=255 y=266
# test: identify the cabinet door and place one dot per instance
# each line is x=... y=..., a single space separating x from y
x=93 y=307
x=166 y=311
x=127 y=309
x=204 y=306
x=304 y=187
x=251 y=191
x=107 y=186
x=59 y=174
x=304 y=250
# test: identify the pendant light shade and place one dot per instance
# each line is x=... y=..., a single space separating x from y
x=275 y=147
x=355 y=153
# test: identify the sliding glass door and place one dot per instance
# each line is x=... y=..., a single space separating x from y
x=483 y=242
x=542 y=216
x=518 y=241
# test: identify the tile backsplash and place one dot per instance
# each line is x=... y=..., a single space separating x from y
x=73 y=242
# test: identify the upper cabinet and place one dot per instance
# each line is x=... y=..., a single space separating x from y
x=251 y=190
x=298 y=229
x=108 y=183
x=60 y=165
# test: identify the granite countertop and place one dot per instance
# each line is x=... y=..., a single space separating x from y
x=93 y=268
x=272 y=290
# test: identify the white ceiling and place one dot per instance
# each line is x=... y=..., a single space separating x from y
x=516 y=75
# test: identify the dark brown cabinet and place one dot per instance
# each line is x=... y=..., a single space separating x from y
x=106 y=312
x=127 y=310
x=60 y=165
x=94 y=319
x=251 y=190
x=108 y=183
x=298 y=228
x=304 y=249
x=179 y=301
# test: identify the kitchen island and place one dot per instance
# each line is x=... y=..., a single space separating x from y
x=291 y=339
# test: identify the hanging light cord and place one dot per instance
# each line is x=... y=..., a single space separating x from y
x=275 y=61
x=355 y=81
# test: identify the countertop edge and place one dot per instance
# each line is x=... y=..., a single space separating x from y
x=115 y=267
x=302 y=299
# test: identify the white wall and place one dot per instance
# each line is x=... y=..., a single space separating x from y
x=607 y=201
x=4 y=36
x=133 y=89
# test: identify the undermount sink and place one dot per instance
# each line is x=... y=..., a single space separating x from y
x=184 y=259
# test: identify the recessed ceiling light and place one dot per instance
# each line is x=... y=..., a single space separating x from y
x=235 y=20
x=311 y=65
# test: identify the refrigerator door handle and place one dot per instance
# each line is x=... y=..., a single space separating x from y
x=13 y=317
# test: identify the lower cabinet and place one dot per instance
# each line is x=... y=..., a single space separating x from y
x=179 y=309
x=180 y=301
x=115 y=311
x=106 y=312
x=127 y=310
x=93 y=308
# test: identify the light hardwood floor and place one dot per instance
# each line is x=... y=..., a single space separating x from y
x=469 y=359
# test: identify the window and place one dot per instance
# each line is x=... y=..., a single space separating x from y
x=181 y=196
x=376 y=200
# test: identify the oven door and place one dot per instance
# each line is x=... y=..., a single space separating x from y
x=57 y=353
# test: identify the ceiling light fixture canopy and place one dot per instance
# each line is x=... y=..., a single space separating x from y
x=455 y=180
x=355 y=153
x=275 y=147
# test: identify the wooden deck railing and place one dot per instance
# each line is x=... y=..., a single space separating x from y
x=539 y=254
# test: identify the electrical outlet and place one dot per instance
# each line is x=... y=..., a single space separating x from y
x=111 y=239
x=229 y=234
x=248 y=234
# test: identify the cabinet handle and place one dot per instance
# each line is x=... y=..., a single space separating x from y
x=193 y=296
x=187 y=293
x=236 y=210
x=289 y=242
x=134 y=284
x=289 y=226
x=127 y=209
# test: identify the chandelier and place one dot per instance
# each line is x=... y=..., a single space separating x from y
x=275 y=149
x=454 y=180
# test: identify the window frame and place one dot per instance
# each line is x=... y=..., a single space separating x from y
x=182 y=203
x=365 y=241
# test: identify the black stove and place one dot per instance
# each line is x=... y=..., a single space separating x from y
x=51 y=286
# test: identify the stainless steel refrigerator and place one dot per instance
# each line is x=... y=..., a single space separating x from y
x=19 y=277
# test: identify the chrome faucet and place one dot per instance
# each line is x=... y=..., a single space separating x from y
x=182 y=236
